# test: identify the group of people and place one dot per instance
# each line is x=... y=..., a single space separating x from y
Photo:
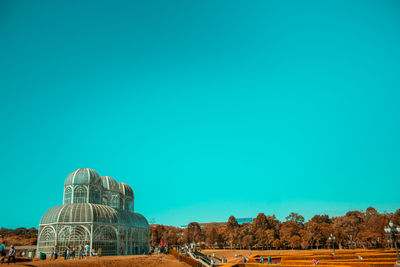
x=262 y=260
x=70 y=253
x=11 y=253
x=160 y=250
x=245 y=259
x=315 y=262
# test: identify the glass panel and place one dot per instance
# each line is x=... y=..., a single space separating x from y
x=94 y=195
x=105 y=237
x=46 y=240
x=67 y=195
x=80 y=194
x=72 y=236
x=115 y=201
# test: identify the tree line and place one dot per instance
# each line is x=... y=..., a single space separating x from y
x=356 y=229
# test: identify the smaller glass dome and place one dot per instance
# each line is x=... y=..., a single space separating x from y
x=125 y=190
x=110 y=184
x=83 y=176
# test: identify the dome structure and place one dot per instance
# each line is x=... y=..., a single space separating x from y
x=109 y=184
x=83 y=185
x=83 y=176
x=96 y=211
x=111 y=194
x=127 y=197
x=92 y=213
x=125 y=190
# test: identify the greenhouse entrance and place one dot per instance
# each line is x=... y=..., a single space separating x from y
x=105 y=237
x=73 y=237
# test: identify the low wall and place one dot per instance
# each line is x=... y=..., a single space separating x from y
x=186 y=259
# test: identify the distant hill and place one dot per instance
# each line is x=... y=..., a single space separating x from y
x=19 y=236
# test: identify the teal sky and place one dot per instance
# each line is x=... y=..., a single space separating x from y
x=206 y=108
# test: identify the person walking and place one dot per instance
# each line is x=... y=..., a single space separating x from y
x=2 y=252
x=73 y=252
x=55 y=253
x=11 y=255
x=261 y=259
x=80 y=255
x=52 y=254
x=87 y=250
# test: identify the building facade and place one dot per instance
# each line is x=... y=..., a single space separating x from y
x=97 y=211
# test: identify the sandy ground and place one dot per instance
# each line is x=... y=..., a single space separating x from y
x=112 y=261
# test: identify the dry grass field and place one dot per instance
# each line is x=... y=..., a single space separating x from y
x=110 y=261
x=298 y=258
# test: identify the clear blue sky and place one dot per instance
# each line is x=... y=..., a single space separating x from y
x=206 y=108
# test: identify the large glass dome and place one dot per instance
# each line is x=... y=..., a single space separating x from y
x=92 y=213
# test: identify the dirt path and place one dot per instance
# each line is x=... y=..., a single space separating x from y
x=112 y=261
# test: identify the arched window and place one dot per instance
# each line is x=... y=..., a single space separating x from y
x=80 y=194
x=115 y=202
x=67 y=195
x=47 y=239
x=72 y=236
x=105 y=237
x=121 y=203
x=94 y=195
x=122 y=242
x=129 y=204
x=105 y=198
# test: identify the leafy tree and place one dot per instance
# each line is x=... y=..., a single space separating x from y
x=291 y=228
x=295 y=217
x=232 y=223
x=396 y=217
x=277 y=243
x=260 y=222
x=233 y=228
x=211 y=235
x=318 y=229
x=194 y=233
x=295 y=241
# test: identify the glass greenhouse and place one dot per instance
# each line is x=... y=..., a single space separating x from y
x=97 y=211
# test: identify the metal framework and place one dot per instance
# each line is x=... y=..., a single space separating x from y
x=97 y=211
